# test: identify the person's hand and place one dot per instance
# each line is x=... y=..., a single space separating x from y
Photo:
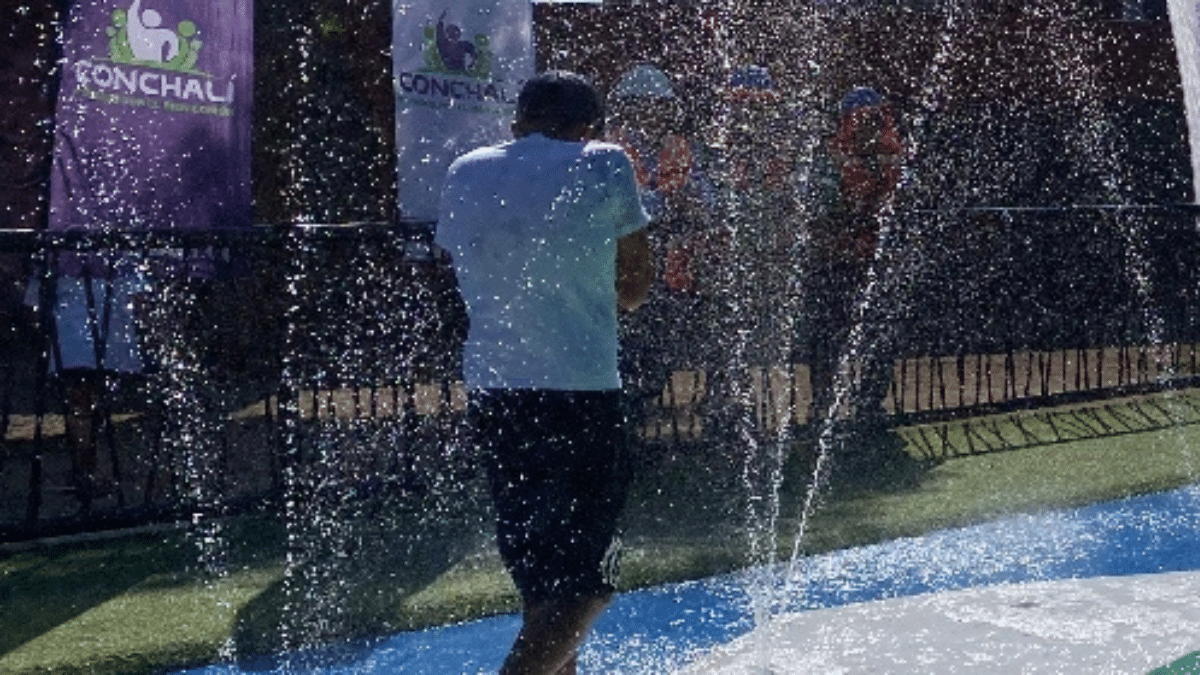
x=635 y=270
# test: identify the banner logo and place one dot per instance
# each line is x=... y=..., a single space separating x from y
x=136 y=38
x=456 y=73
x=446 y=52
x=153 y=66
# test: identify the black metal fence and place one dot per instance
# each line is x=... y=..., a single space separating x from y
x=256 y=339
x=1049 y=303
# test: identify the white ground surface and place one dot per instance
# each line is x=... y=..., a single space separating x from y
x=1127 y=625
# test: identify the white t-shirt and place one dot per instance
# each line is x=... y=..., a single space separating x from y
x=532 y=228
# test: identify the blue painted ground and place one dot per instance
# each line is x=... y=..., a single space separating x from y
x=660 y=629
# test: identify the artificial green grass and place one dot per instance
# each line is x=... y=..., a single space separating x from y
x=142 y=603
x=1184 y=666
x=973 y=489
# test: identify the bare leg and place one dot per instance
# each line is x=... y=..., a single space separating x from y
x=550 y=635
x=92 y=478
x=81 y=397
x=568 y=668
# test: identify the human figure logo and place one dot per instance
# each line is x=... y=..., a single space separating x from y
x=447 y=52
x=137 y=37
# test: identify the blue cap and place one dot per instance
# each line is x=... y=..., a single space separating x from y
x=860 y=97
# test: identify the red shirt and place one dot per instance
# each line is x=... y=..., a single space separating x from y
x=868 y=145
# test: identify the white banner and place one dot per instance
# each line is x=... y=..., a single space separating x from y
x=457 y=68
x=1185 y=24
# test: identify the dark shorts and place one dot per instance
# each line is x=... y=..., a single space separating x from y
x=557 y=473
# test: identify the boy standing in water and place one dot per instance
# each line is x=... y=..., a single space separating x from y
x=548 y=240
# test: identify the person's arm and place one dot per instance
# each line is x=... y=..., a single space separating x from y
x=635 y=270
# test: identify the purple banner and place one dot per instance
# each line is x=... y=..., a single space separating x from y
x=153 y=116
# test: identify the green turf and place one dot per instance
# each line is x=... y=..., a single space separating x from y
x=1188 y=665
x=142 y=603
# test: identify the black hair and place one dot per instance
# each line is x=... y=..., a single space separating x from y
x=556 y=101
